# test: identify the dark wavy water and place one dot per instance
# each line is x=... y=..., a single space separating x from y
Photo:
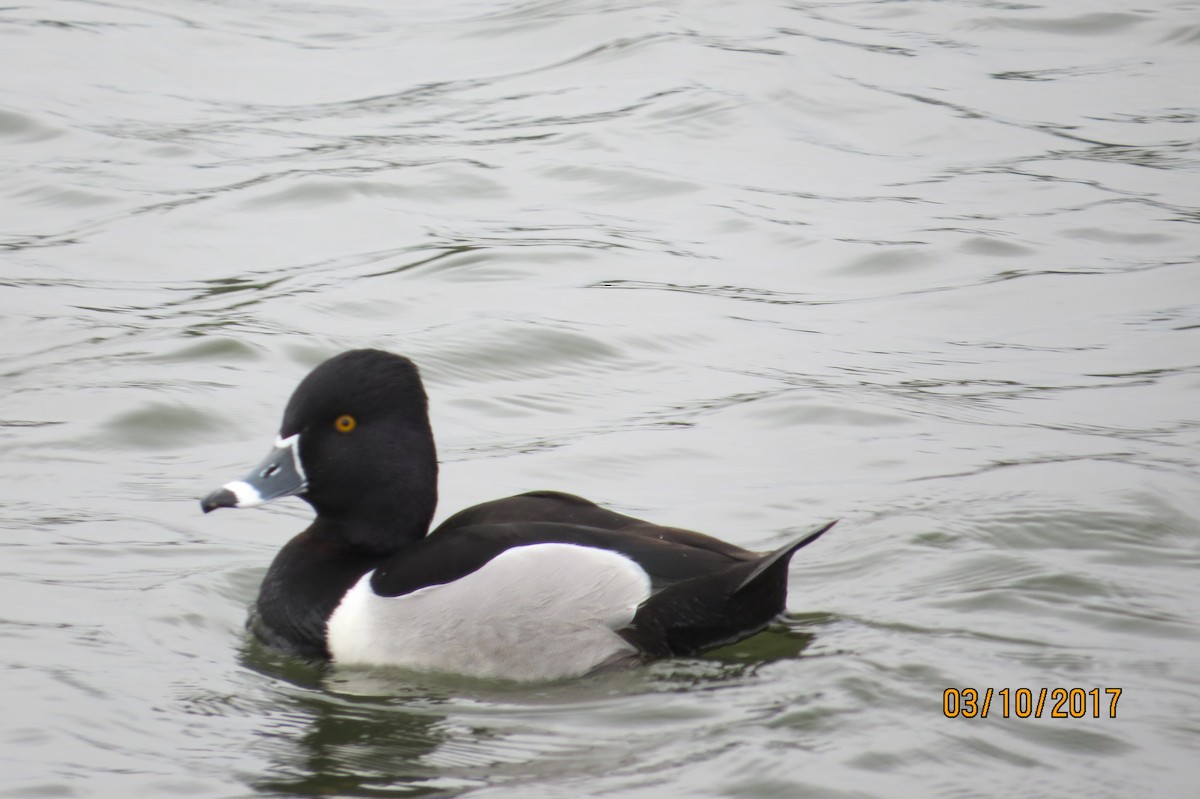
x=744 y=267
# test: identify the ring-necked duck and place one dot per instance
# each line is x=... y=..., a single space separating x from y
x=538 y=586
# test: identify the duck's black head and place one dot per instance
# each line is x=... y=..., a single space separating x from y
x=355 y=443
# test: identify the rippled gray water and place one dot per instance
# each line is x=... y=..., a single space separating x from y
x=930 y=267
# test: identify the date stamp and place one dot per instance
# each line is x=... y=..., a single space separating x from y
x=1063 y=703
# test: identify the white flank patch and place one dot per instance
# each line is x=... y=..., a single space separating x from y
x=247 y=495
x=538 y=612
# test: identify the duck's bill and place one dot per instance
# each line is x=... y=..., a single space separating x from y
x=279 y=475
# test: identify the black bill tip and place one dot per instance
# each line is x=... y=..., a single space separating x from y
x=221 y=498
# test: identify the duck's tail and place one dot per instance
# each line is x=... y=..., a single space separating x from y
x=784 y=553
x=716 y=608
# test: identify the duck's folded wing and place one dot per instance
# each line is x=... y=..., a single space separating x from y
x=452 y=554
x=557 y=507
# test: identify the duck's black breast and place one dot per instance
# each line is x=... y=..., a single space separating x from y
x=303 y=586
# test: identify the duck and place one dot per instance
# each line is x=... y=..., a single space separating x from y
x=539 y=586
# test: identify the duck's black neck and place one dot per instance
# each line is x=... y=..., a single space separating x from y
x=382 y=529
x=312 y=573
x=302 y=588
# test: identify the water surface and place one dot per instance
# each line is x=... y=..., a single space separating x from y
x=929 y=268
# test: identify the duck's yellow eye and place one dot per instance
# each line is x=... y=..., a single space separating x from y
x=345 y=423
